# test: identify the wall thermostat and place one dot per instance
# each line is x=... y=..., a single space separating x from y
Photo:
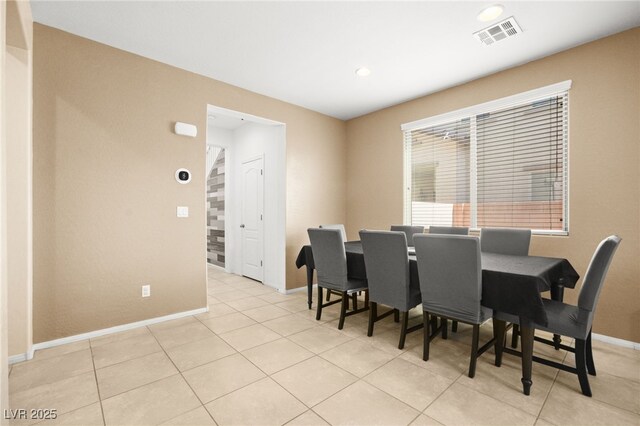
x=183 y=176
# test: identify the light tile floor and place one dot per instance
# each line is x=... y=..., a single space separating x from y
x=260 y=357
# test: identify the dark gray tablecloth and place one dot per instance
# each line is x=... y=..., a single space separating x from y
x=510 y=284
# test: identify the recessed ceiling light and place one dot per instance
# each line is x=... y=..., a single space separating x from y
x=363 y=72
x=490 y=13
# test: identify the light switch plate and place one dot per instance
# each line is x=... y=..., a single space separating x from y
x=183 y=211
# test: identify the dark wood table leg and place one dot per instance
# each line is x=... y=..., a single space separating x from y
x=526 y=340
x=499 y=334
x=557 y=293
x=310 y=286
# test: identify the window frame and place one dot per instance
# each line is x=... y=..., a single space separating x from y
x=472 y=112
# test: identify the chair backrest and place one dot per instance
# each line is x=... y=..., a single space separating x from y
x=596 y=273
x=450 y=276
x=329 y=257
x=409 y=231
x=455 y=230
x=387 y=263
x=337 y=226
x=505 y=241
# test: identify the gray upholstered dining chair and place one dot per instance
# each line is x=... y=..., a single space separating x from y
x=451 y=230
x=450 y=272
x=330 y=261
x=337 y=226
x=573 y=321
x=386 y=260
x=511 y=241
x=344 y=238
x=409 y=231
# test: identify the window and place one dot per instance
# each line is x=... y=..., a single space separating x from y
x=499 y=164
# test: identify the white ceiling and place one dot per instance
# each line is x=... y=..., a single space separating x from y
x=306 y=53
x=222 y=121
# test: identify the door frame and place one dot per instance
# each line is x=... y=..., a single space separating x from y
x=274 y=164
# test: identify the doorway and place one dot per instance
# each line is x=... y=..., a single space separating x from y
x=251 y=208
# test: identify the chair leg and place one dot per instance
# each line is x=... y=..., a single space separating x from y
x=454 y=326
x=319 y=310
x=514 y=335
x=328 y=295
x=354 y=297
x=403 y=330
x=396 y=315
x=581 y=349
x=591 y=368
x=434 y=324
x=474 y=350
x=445 y=328
x=366 y=298
x=373 y=313
x=425 y=339
x=499 y=335
x=343 y=309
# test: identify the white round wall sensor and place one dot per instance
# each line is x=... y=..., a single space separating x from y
x=183 y=176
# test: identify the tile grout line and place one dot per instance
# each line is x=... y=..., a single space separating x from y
x=236 y=352
x=362 y=379
x=420 y=412
x=185 y=380
x=269 y=375
x=154 y=381
x=65 y=377
x=555 y=379
x=438 y=397
x=547 y=396
x=140 y=386
x=95 y=375
x=508 y=403
x=228 y=331
x=358 y=379
x=274 y=381
x=266 y=375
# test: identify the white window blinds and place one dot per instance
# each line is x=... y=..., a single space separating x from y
x=499 y=164
x=440 y=167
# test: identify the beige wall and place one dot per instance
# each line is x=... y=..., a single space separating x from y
x=104 y=191
x=604 y=156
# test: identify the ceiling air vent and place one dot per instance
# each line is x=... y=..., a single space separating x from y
x=500 y=31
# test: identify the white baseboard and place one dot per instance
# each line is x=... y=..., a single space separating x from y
x=124 y=327
x=615 y=341
x=18 y=358
x=97 y=333
x=298 y=289
x=220 y=268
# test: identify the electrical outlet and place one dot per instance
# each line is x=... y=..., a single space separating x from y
x=146 y=290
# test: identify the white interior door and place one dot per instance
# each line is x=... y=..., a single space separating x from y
x=252 y=220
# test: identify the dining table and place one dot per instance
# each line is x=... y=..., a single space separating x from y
x=511 y=284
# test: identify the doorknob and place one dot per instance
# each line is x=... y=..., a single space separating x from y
x=242 y=226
